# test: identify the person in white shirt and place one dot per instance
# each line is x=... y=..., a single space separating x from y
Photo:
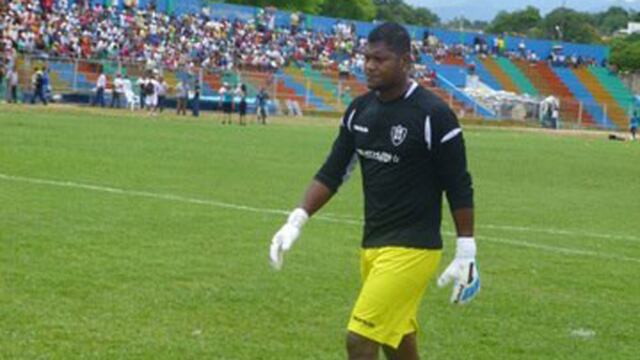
x=163 y=87
x=118 y=91
x=101 y=84
x=151 y=94
x=13 y=79
x=226 y=102
x=182 y=95
x=127 y=90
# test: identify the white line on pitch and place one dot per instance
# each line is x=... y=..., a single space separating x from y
x=112 y=190
x=547 y=231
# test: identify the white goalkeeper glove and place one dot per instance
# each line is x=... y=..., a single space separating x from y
x=463 y=271
x=286 y=236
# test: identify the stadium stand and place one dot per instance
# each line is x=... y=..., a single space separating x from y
x=193 y=40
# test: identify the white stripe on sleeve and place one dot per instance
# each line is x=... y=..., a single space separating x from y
x=450 y=135
x=353 y=113
x=427 y=131
x=350 y=168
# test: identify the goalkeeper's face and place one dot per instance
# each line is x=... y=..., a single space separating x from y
x=384 y=67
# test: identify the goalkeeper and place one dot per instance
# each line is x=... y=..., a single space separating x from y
x=411 y=151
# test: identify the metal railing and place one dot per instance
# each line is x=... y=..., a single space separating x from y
x=323 y=91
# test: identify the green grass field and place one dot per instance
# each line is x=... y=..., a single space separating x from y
x=147 y=238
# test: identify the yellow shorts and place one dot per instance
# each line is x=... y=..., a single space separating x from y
x=394 y=281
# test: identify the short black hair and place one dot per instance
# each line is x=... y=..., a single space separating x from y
x=393 y=35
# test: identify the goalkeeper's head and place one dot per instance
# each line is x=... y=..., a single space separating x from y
x=387 y=56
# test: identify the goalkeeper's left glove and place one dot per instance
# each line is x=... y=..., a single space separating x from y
x=463 y=271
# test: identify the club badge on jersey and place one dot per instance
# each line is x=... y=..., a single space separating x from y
x=398 y=134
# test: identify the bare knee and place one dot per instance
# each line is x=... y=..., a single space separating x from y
x=361 y=348
x=407 y=349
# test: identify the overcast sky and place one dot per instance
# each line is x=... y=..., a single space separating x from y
x=487 y=9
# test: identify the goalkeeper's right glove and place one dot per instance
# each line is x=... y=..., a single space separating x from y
x=286 y=236
x=463 y=270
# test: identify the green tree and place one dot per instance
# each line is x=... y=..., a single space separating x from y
x=625 y=53
x=465 y=24
x=570 y=25
x=307 y=6
x=400 y=12
x=519 y=22
x=615 y=18
x=363 y=10
x=423 y=16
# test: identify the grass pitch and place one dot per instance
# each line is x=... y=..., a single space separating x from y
x=129 y=237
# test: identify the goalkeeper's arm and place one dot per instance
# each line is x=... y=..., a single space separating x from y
x=316 y=196
x=332 y=174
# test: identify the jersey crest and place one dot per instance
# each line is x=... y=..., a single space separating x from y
x=398 y=134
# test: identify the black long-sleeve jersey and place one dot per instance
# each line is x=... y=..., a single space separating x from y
x=410 y=150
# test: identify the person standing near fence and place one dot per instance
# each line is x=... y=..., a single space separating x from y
x=142 y=84
x=2 y=75
x=46 y=83
x=127 y=91
x=241 y=91
x=13 y=80
x=261 y=106
x=226 y=100
x=37 y=81
x=151 y=92
x=195 y=102
x=118 y=90
x=182 y=95
x=163 y=87
x=634 y=123
x=101 y=84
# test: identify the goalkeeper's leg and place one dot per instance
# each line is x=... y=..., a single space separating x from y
x=361 y=348
x=407 y=350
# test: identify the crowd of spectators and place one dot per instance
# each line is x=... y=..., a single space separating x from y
x=497 y=46
x=76 y=29
x=62 y=30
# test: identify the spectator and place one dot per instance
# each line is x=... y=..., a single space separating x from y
x=522 y=49
x=195 y=102
x=46 y=84
x=2 y=75
x=101 y=85
x=294 y=20
x=37 y=81
x=634 y=122
x=127 y=90
x=226 y=103
x=241 y=92
x=343 y=70
x=13 y=80
x=151 y=94
x=502 y=45
x=163 y=87
x=118 y=91
x=261 y=106
x=550 y=111
x=496 y=46
x=182 y=95
x=142 y=86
